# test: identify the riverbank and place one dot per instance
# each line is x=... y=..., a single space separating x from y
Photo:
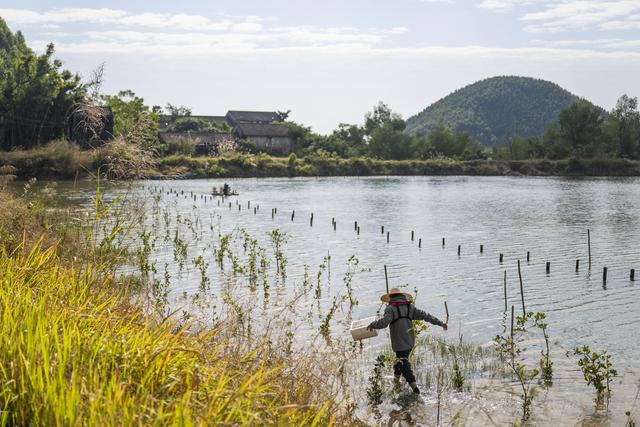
x=240 y=166
x=78 y=345
x=119 y=160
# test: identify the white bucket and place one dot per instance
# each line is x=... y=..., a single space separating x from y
x=359 y=329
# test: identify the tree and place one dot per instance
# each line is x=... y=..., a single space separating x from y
x=134 y=120
x=282 y=116
x=36 y=95
x=624 y=125
x=580 y=126
x=175 y=111
x=381 y=115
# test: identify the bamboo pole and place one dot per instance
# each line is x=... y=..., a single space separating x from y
x=386 y=277
x=524 y=312
x=589 y=246
x=505 y=291
x=446 y=309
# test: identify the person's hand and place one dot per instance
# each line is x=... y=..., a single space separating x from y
x=445 y=326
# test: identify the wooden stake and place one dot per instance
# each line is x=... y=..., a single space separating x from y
x=589 y=246
x=524 y=312
x=386 y=277
x=458 y=250
x=443 y=242
x=355 y=225
x=412 y=235
x=632 y=275
x=293 y=215
x=512 y=316
x=311 y=220
x=505 y=291
x=528 y=256
x=501 y=258
x=387 y=237
x=358 y=231
x=481 y=248
x=548 y=267
x=604 y=274
x=382 y=229
x=446 y=309
x=419 y=243
x=577 y=265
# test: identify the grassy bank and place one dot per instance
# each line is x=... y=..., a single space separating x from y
x=75 y=350
x=267 y=166
x=119 y=160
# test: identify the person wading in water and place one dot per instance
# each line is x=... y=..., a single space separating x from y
x=398 y=315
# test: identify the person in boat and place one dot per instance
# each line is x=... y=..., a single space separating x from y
x=225 y=189
x=398 y=315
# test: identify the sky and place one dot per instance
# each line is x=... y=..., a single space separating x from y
x=331 y=61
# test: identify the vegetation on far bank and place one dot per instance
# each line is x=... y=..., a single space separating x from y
x=37 y=98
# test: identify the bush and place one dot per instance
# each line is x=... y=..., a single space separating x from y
x=57 y=159
x=118 y=159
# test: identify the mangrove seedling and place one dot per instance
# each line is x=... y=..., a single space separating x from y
x=597 y=370
x=509 y=351
x=375 y=391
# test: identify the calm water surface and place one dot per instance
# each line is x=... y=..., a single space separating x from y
x=547 y=217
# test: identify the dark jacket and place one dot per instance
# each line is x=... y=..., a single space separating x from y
x=398 y=318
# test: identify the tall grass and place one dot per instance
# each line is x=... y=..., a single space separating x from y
x=73 y=351
x=79 y=347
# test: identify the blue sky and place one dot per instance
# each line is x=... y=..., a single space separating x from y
x=330 y=61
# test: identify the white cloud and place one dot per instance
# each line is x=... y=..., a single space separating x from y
x=62 y=16
x=584 y=15
x=437 y=1
x=114 y=17
x=503 y=5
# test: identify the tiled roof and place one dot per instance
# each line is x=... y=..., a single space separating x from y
x=259 y=129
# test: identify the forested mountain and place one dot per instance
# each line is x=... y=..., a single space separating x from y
x=493 y=109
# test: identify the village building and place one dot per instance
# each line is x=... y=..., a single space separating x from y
x=272 y=138
x=255 y=126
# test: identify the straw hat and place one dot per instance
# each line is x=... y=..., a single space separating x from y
x=395 y=291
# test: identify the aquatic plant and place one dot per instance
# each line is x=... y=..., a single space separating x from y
x=279 y=238
x=202 y=266
x=375 y=390
x=546 y=365
x=597 y=370
x=325 y=325
x=509 y=351
x=458 y=378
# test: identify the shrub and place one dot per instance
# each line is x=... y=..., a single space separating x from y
x=118 y=159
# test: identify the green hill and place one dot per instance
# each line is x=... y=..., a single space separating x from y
x=493 y=109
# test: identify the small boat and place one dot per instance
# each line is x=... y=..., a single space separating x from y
x=220 y=192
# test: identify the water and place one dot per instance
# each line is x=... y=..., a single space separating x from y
x=548 y=217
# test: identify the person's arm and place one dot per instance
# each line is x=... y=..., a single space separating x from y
x=384 y=321
x=422 y=315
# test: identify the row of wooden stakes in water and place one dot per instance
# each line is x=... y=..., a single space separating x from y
x=274 y=211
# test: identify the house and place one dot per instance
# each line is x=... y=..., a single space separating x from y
x=257 y=126
x=205 y=143
x=272 y=138
x=235 y=118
